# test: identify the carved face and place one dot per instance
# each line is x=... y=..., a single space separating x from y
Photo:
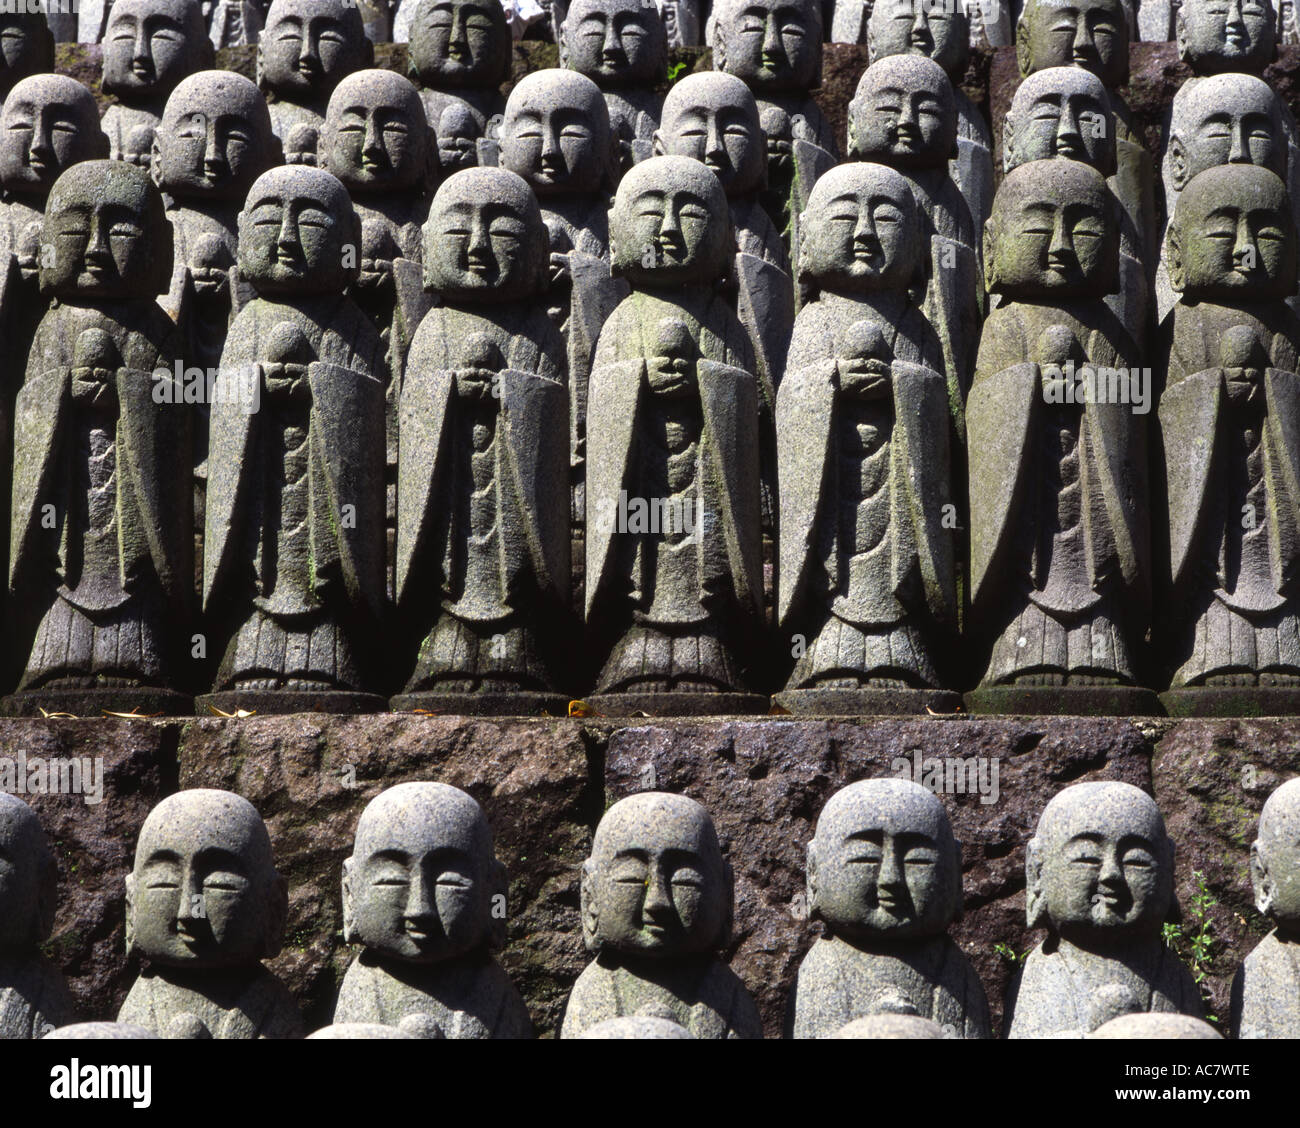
x=298 y=232
x=1233 y=235
x=26 y=47
x=419 y=884
x=1106 y=864
x=713 y=118
x=1061 y=112
x=861 y=231
x=26 y=878
x=940 y=31
x=458 y=135
x=376 y=135
x=204 y=892
x=150 y=45
x=556 y=133
x=669 y=223
x=1275 y=859
x=1226 y=35
x=215 y=138
x=1226 y=119
x=884 y=865
x=1085 y=33
x=903 y=114
x=460 y=42
x=309 y=46
x=656 y=884
x=615 y=42
x=49 y=123
x=771 y=44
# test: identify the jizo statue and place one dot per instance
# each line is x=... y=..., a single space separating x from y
x=1226 y=36
x=980 y=23
x=28 y=46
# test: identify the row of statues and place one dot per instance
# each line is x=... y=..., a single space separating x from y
x=424 y=897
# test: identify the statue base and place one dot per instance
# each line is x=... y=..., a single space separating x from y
x=678 y=704
x=483 y=704
x=868 y=702
x=1232 y=701
x=144 y=702
x=231 y=702
x=1065 y=700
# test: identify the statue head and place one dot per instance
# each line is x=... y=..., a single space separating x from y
x=460 y=43
x=656 y=884
x=670 y=224
x=556 y=134
x=1223 y=36
x=215 y=138
x=614 y=42
x=26 y=45
x=1226 y=119
x=1275 y=860
x=50 y=123
x=773 y=45
x=28 y=879
x=423 y=882
x=712 y=117
x=298 y=233
x=108 y=233
x=862 y=231
x=309 y=46
x=150 y=45
x=204 y=892
x=1060 y=112
x=939 y=31
x=484 y=239
x=457 y=133
x=376 y=135
x=903 y=114
x=1100 y=867
x=1156 y=1025
x=1093 y=34
x=1232 y=237
x=1053 y=231
x=883 y=866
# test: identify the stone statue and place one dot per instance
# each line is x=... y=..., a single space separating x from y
x=204 y=907
x=28 y=46
x=1266 y=988
x=483 y=533
x=294 y=554
x=149 y=46
x=425 y=895
x=1064 y=112
x=233 y=23
x=1217 y=37
x=306 y=49
x=1230 y=434
x=33 y=996
x=622 y=47
x=904 y=115
x=1056 y=430
x=101 y=553
x=1157 y=1026
x=981 y=23
x=892 y=1027
x=636 y=1028
x=459 y=57
x=674 y=594
x=656 y=909
x=1100 y=878
x=884 y=874
x=866 y=576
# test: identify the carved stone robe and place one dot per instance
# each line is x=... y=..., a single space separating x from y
x=231 y=1003
x=1266 y=991
x=33 y=998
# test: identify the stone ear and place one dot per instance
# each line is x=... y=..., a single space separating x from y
x=588 y=909
x=367 y=54
x=990 y=263
x=1180 y=33
x=1177 y=164
x=1174 y=259
x=719 y=41
x=1261 y=881
x=259 y=69
x=128 y=927
x=349 y=907
x=657 y=143
x=851 y=146
x=1024 y=58
x=1008 y=143
x=499 y=886
x=1035 y=894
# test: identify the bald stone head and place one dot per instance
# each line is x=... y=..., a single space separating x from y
x=556 y=134
x=891 y=1026
x=150 y=45
x=1100 y=867
x=204 y=892
x=921 y=27
x=50 y=123
x=636 y=1027
x=1182 y=1027
x=104 y=221
x=1275 y=860
x=294 y=232
x=309 y=46
x=1053 y=232
x=1093 y=34
x=656 y=884
x=713 y=118
x=376 y=136
x=614 y=42
x=421 y=882
x=1222 y=36
x=1232 y=237
x=26 y=45
x=28 y=879
x=215 y=139
x=903 y=114
x=458 y=44
x=773 y=45
x=1060 y=112
x=484 y=239
x=1226 y=119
